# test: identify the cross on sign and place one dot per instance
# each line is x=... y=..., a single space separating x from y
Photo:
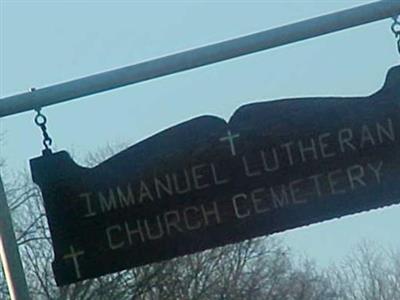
x=230 y=138
x=74 y=256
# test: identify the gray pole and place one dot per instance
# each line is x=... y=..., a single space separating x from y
x=9 y=253
x=199 y=57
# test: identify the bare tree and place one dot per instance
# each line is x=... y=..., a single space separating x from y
x=370 y=273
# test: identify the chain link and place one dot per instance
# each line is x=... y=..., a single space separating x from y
x=396 y=30
x=41 y=120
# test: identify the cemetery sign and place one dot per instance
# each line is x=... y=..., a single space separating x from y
x=206 y=182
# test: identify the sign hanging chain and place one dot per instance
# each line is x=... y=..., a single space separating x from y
x=396 y=30
x=41 y=121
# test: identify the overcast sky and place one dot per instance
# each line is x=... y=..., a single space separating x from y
x=46 y=42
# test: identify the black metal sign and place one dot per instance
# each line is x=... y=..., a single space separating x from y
x=205 y=183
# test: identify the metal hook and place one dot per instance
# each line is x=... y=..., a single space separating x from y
x=41 y=120
x=396 y=30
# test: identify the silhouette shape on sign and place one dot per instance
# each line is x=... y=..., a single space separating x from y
x=205 y=183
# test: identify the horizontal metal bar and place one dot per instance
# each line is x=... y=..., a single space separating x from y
x=199 y=57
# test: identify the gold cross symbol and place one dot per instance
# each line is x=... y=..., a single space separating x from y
x=74 y=256
x=230 y=138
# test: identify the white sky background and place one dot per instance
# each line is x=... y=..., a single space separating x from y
x=46 y=42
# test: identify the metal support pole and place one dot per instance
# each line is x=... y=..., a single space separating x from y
x=9 y=253
x=199 y=57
